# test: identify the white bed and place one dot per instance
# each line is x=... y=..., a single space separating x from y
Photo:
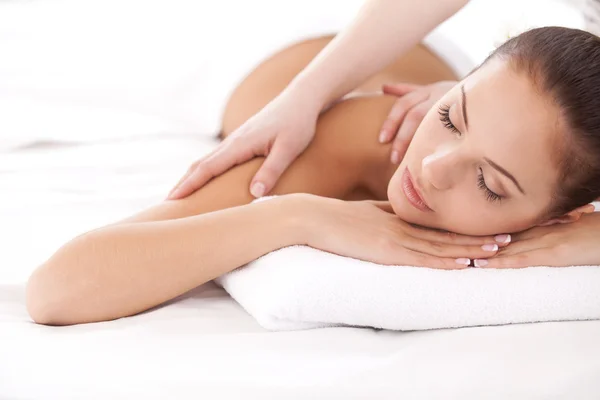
x=204 y=345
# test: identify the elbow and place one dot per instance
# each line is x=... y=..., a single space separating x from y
x=46 y=302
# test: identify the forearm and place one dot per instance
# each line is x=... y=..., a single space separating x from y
x=121 y=270
x=383 y=30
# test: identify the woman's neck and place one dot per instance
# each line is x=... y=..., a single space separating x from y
x=380 y=170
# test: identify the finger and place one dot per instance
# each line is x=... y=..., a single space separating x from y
x=521 y=246
x=173 y=191
x=535 y=232
x=539 y=257
x=451 y=250
x=278 y=160
x=407 y=130
x=214 y=165
x=399 y=89
x=401 y=107
x=417 y=259
x=190 y=170
x=452 y=238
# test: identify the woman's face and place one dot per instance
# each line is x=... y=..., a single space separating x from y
x=481 y=159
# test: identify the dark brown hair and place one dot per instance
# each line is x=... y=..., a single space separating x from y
x=564 y=64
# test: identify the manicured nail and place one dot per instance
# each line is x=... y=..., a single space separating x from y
x=480 y=263
x=463 y=261
x=257 y=190
x=382 y=136
x=502 y=239
x=490 y=247
x=395 y=157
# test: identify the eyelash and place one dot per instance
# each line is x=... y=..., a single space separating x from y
x=489 y=195
x=444 y=113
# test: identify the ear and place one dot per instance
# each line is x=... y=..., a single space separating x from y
x=571 y=216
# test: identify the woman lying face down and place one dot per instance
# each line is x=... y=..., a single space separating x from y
x=514 y=145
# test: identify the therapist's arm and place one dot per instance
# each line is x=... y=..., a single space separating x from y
x=383 y=30
x=282 y=130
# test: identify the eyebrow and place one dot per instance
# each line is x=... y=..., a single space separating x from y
x=464 y=106
x=505 y=173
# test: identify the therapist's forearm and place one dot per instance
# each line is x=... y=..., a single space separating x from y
x=382 y=31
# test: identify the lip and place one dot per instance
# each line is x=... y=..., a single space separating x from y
x=412 y=192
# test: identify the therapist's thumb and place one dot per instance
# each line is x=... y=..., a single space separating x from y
x=277 y=161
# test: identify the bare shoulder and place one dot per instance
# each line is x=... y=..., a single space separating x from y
x=336 y=164
x=351 y=130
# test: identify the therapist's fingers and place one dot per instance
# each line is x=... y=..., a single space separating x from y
x=407 y=130
x=402 y=106
x=189 y=171
x=223 y=158
x=174 y=193
x=277 y=161
x=399 y=89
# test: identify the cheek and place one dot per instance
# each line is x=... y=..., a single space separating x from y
x=474 y=216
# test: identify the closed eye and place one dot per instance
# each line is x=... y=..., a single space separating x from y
x=444 y=113
x=489 y=194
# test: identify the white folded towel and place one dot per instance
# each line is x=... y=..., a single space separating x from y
x=300 y=287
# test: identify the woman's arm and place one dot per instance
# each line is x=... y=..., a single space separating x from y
x=124 y=269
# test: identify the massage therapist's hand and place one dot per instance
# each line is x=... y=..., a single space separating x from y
x=281 y=131
x=370 y=231
x=408 y=112
x=560 y=245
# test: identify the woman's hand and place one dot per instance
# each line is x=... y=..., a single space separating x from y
x=559 y=245
x=281 y=131
x=370 y=231
x=408 y=112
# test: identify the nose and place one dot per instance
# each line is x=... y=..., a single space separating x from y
x=441 y=167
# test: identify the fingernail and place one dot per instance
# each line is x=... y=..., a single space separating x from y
x=480 y=263
x=463 y=261
x=257 y=190
x=382 y=136
x=502 y=239
x=490 y=247
x=395 y=157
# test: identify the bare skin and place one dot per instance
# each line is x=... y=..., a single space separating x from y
x=358 y=170
x=149 y=258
